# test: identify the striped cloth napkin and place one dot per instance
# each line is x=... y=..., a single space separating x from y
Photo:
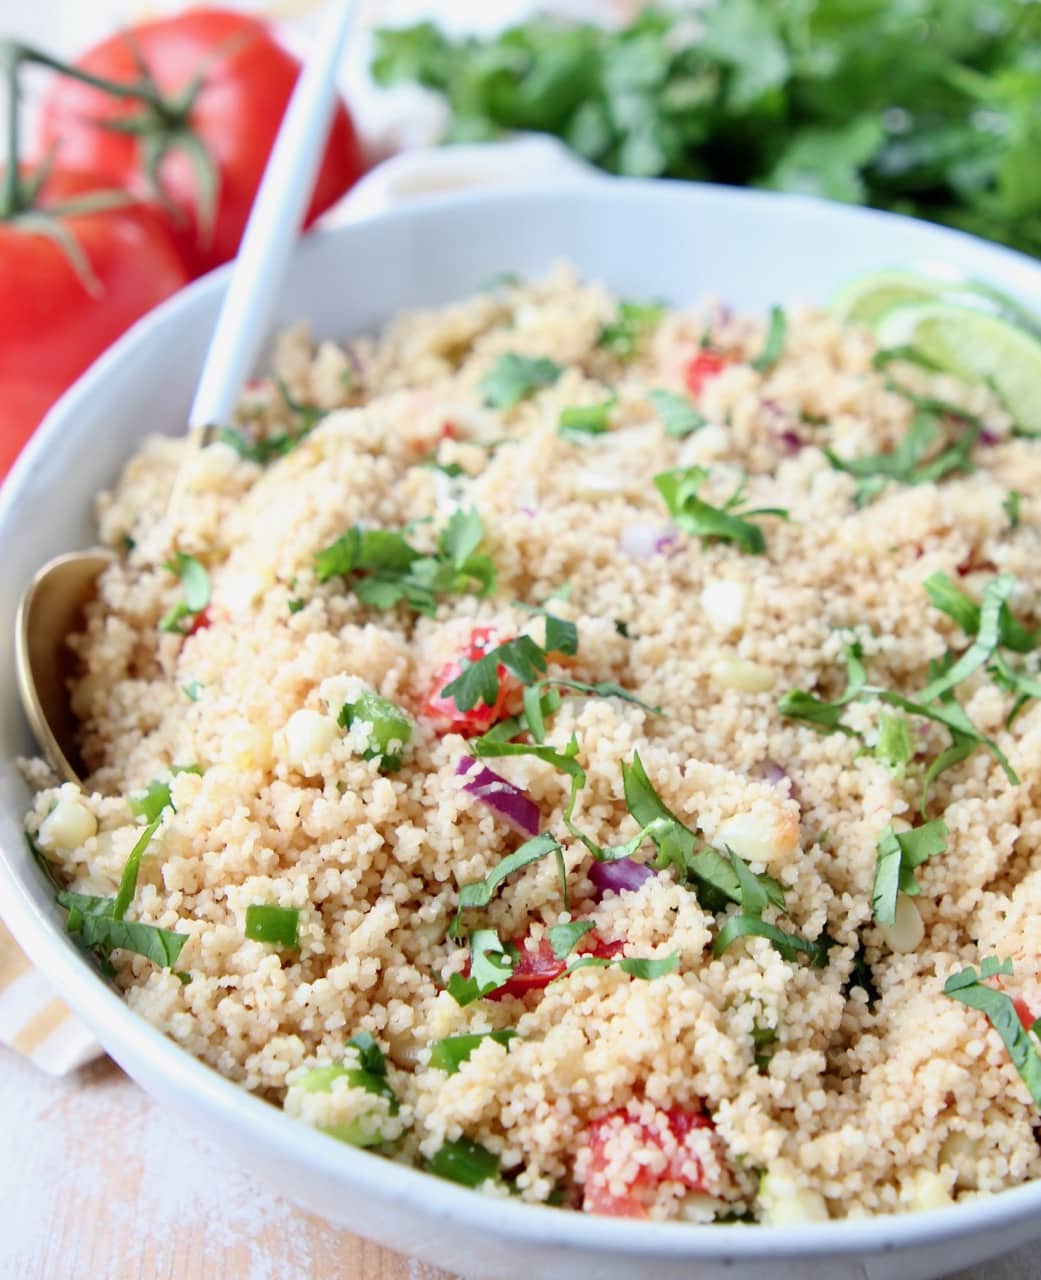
x=34 y=1021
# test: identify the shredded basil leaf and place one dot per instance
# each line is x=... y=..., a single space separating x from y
x=678 y=415
x=691 y=513
x=449 y=1054
x=967 y=988
x=128 y=880
x=895 y=745
x=479 y=893
x=276 y=925
x=776 y=333
x=98 y=930
x=763 y=1040
x=790 y=945
x=152 y=803
x=563 y=938
x=799 y=705
x=1011 y=508
x=988 y=637
x=962 y=609
x=899 y=854
x=514 y=378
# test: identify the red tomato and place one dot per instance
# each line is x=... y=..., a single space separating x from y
x=56 y=320
x=668 y=1136
x=538 y=966
x=702 y=368
x=201 y=621
x=245 y=80
x=479 y=719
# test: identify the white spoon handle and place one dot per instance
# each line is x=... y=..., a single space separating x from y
x=273 y=225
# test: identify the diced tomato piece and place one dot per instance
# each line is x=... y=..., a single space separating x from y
x=200 y=622
x=449 y=431
x=443 y=711
x=702 y=368
x=537 y=966
x=668 y=1136
x=1026 y=1014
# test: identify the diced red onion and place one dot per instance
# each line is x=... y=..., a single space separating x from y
x=642 y=541
x=502 y=797
x=770 y=771
x=989 y=437
x=791 y=441
x=614 y=877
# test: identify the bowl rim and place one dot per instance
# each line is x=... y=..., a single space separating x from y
x=202 y=1088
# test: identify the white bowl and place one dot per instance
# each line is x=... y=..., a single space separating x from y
x=645 y=240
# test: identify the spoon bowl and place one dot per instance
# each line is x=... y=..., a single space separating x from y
x=49 y=612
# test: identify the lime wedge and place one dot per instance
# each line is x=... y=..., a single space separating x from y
x=866 y=299
x=975 y=347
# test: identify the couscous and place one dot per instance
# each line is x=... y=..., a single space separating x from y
x=588 y=750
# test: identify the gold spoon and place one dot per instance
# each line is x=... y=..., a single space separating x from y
x=52 y=607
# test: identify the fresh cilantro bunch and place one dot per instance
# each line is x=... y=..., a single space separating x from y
x=926 y=107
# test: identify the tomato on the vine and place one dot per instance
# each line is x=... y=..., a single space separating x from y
x=186 y=109
x=76 y=269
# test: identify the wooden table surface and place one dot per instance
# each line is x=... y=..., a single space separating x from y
x=97 y=1183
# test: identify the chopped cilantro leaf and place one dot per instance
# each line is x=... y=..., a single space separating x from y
x=514 y=378
x=776 y=332
x=967 y=987
x=623 y=335
x=799 y=705
x=691 y=513
x=763 y=1040
x=196 y=584
x=899 y=854
x=384 y=569
x=678 y=415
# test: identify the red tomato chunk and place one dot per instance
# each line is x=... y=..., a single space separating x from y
x=705 y=366
x=444 y=713
x=665 y=1137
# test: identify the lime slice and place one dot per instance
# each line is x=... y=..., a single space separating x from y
x=975 y=347
x=866 y=299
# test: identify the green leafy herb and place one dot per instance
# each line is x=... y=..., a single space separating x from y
x=678 y=415
x=755 y=898
x=1011 y=507
x=962 y=609
x=128 y=880
x=390 y=730
x=695 y=516
x=988 y=637
x=563 y=938
x=464 y=1162
x=150 y=805
x=266 y=448
x=276 y=925
x=648 y=969
x=522 y=656
x=763 y=1040
x=450 y=1053
x=195 y=582
x=193 y=690
x=384 y=569
x=895 y=746
x=967 y=987
x=479 y=893
x=514 y=378
x=776 y=333
x=899 y=854
x=1016 y=681
x=92 y=920
x=623 y=335
x=294 y=604
x=913 y=461
x=579 y=422
x=799 y=705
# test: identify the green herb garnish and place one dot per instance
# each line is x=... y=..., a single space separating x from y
x=695 y=516
x=267 y=448
x=479 y=893
x=988 y=637
x=763 y=1040
x=895 y=746
x=967 y=987
x=961 y=608
x=678 y=415
x=196 y=584
x=623 y=335
x=899 y=854
x=514 y=378
x=755 y=898
x=390 y=730
x=563 y=938
x=384 y=569
x=776 y=333
x=276 y=925
x=522 y=657
x=450 y=1053
x=1011 y=507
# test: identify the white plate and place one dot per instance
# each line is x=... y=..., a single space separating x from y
x=646 y=240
